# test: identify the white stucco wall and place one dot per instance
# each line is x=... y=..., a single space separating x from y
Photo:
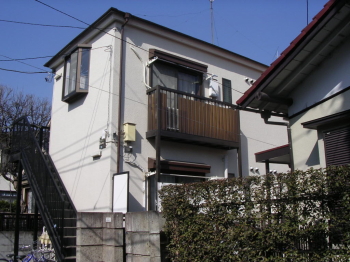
x=76 y=127
x=330 y=77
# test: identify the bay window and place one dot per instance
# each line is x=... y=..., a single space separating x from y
x=76 y=73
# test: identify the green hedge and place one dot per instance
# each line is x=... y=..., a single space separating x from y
x=300 y=216
x=7 y=206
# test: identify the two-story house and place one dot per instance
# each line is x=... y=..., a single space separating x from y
x=309 y=84
x=136 y=105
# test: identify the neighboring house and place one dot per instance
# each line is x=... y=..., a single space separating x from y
x=7 y=192
x=135 y=103
x=309 y=84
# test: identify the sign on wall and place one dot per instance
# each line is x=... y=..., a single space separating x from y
x=120 y=192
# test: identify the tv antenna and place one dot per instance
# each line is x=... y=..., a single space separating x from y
x=307 y=12
x=211 y=21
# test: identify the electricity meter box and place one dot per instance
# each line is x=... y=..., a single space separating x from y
x=129 y=132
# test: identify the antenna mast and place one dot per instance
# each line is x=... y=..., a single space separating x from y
x=307 y=12
x=211 y=21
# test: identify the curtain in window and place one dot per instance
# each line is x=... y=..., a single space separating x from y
x=71 y=73
x=187 y=83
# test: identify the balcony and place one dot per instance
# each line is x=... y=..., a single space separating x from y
x=192 y=119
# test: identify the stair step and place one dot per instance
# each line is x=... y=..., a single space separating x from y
x=70 y=250
x=71 y=258
x=70 y=240
x=69 y=231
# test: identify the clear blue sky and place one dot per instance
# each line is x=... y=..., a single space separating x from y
x=257 y=29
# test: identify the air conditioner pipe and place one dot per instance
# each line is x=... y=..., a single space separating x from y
x=261 y=96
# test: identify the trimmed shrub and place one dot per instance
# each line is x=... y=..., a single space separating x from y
x=300 y=216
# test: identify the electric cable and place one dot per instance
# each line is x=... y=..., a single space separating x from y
x=107 y=33
x=173 y=15
x=9 y=59
x=27 y=23
x=237 y=31
x=29 y=58
x=110 y=35
x=23 y=72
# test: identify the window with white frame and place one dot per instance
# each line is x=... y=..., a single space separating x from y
x=76 y=73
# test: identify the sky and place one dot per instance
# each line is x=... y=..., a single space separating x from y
x=257 y=29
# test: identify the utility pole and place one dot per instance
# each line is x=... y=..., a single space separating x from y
x=211 y=21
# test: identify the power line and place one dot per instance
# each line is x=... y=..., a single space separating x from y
x=173 y=15
x=62 y=12
x=20 y=59
x=108 y=33
x=27 y=23
x=24 y=63
x=247 y=38
x=23 y=72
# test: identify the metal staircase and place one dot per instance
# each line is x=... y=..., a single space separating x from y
x=54 y=204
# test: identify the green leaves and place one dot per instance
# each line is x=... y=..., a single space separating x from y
x=300 y=216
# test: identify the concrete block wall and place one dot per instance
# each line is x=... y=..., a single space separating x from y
x=142 y=236
x=100 y=237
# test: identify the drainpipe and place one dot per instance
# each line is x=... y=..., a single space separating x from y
x=121 y=73
x=266 y=115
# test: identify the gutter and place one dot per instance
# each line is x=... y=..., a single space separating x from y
x=266 y=115
x=121 y=73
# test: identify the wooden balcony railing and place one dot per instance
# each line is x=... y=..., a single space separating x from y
x=190 y=117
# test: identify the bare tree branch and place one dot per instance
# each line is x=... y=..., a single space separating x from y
x=13 y=105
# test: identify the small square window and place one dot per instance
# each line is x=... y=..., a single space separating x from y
x=76 y=74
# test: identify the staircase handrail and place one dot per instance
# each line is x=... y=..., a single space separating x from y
x=46 y=207
x=38 y=147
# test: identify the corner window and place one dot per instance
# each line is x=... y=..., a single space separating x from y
x=76 y=74
x=226 y=91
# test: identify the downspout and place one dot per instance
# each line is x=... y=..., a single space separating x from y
x=266 y=115
x=121 y=72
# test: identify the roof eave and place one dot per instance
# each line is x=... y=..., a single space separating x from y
x=287 y=55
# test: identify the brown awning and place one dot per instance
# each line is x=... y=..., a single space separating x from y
x=277 y=155
x=179 y=167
